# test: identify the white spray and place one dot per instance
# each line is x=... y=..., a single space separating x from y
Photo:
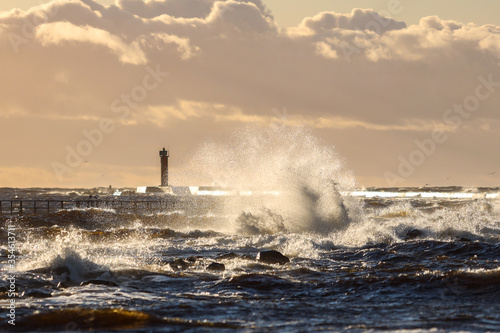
x=308 y=175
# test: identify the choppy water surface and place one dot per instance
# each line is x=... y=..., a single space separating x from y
x=418 y=264
x=376 y=264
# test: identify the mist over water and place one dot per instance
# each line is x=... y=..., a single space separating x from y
x=296 y=181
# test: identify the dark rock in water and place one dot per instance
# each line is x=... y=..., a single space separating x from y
x=414 y=233
x=178 y=265
x=101 y=282
x=230 y=255
x=272 y=257
x=215 y=266
x=463 y=239
x=36 y=293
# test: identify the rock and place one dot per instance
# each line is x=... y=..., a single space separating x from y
x=464 y=239
x=272 y=257
x=178 y=265
x=216 y=267
x=414 y=233
x=101 y=282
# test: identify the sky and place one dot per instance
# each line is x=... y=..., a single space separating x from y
x=408 y=92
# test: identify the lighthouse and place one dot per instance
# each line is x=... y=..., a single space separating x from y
x=164 y=167
x=164 y=188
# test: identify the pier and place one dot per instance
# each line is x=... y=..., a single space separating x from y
x=41 y=206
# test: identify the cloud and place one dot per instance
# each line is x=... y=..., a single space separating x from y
x=60 y=32
x=161 y=42
x=179 y=8
x=174 y=8
x=358 y=19
x=229 y=63
x=234 y=54
x=326 y=50
x=242 y=17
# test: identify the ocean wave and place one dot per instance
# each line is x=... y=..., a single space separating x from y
x=76 y=319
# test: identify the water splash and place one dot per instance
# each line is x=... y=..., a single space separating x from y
x=309 y=176
x=445 y=220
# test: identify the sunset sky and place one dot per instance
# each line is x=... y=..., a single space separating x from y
x=408 y=92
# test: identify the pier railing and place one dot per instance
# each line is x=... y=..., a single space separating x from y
x=39 y=206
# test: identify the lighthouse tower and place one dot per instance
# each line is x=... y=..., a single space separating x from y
x=164 y=188
x=164 y=167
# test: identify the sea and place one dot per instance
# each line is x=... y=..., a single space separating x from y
x=357 y=259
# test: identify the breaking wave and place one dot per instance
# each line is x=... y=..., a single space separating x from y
x=307 y=176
